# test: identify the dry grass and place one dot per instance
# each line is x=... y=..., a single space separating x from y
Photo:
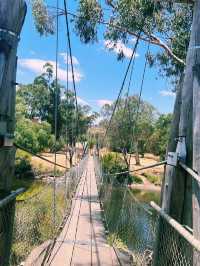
x=44 y=166
x=156 y=172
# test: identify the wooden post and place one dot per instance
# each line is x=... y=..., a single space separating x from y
x=12 y=15
x=179 y=186
x=196 y=129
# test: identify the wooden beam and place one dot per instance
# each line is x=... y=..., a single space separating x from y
x=196 y=128
x=12 y=14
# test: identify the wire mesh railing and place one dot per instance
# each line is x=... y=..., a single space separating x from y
x=150 y=237
x=34 y=222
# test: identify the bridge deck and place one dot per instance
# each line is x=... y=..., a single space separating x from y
x=83 y=241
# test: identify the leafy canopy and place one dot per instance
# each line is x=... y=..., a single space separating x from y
x=166 y=23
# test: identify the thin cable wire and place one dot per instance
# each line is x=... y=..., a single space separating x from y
x=127 y=109
x=71 y=62
x=122 y=86
x=56 y=116
x=38 y=156
x=66 y=134
x=77 y=223
x=75 y=198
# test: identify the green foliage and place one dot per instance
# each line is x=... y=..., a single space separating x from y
x=33 y=136
x=23 y=167
x=156 y=180
x=159 y=138
x=113 y=163
x=126 y=18
x=148 y=133
x=43 y=19
x=130 y=128
x=33 y=221
x=35 y=115
x=137 y=179
x=86 y=25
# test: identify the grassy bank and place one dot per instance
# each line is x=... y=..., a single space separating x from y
x=34 y=218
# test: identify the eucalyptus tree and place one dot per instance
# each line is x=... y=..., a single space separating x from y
x=131 y=126
x=163 y=23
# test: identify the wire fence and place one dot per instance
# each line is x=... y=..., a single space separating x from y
x=34 y=222
x=171 y=248
x=140 y=229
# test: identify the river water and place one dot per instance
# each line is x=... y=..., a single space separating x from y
x=130 y=219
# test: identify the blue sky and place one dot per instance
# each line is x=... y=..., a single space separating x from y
x=98 y=73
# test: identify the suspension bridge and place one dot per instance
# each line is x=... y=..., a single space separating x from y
x=89 y=218
x=83 y=240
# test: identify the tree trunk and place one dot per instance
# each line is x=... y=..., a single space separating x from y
x=125 y=158
x=70 y=160
x=137 y=156
x=12 y=14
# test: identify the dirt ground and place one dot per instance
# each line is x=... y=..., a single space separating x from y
x=155 y=172
x=44 y=166
x=147 y=160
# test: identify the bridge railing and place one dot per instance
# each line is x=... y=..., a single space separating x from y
x=36 y=221
x=137 y=227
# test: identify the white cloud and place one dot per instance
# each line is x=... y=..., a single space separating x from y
x=36 y=66
x=102 y=102
x=133 y=40
x=32 y=52
x=118 y=47
x=66 y=59
x=166 y=93
x=81 y=101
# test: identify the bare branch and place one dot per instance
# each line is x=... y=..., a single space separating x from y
x=153 y=39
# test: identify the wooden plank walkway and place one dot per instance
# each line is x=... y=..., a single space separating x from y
x=83 y=240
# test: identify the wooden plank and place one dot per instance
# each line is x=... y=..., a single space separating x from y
x=83 y=239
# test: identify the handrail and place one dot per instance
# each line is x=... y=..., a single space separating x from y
x=40 y=157
x=190 y=171
x=11 y=197
x=177 y=226
x=139 y=169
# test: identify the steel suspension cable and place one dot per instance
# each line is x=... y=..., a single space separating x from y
x=122 y=86
x=66 y=129
x=142 y=83
x=127 y=107
x=77 y=189
x=71 y=62
x=56 y=116
x=139 y=99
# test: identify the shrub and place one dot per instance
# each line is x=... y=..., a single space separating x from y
x=113 y=163
x=23 y=168
x=137 y=179
x=33 y=136
x=156 y=180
